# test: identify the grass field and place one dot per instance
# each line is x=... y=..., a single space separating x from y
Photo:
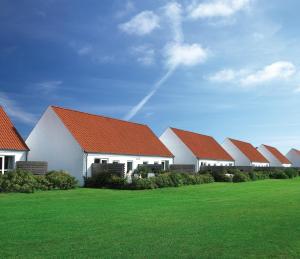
x=254 y=219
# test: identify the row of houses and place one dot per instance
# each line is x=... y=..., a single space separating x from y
x=74 y=140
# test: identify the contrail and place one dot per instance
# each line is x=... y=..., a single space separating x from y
x=173 y=11
x=156 y=86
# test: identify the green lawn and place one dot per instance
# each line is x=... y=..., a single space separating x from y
x=255 y=219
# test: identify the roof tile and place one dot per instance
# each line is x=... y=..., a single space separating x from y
x=276 y=153
x=249 y=151
x=203 y=147
x=10 y=139
x=99 y=134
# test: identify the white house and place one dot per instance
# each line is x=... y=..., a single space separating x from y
x=193 y=148
x=244 y=153
x=73 y=140
x=12 y=146
x=274 y=156
x=294 y=156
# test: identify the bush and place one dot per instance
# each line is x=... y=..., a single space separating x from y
x=278 y=174
x=142 y=184
x=42 y=183
x=291 y=172
x=240 y=177
x=259 y=175
x=61 y=180
x=222 y=175
x=18 y=181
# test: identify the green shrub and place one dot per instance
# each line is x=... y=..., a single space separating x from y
x=291 y=172
x=142 y=184
x=220 y=175
x=278 y=174
x=18 y=181
x=163 y=180
x=42 y=183
x=241 y=177
x=61 y=180
x=258 y=175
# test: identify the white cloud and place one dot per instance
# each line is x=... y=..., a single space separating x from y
x=144 y=54
x=85 y=50
x=173 y=11
x=48 y=86
x=277 y=70
x=126 y=9
x=141 y=24
x=184 y=54
x=217 y=8
x=224 y=75
x=12 y=108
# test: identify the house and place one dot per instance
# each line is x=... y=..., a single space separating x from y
x=12 y=146
x=74 y=140
x=244 y=153
x=193 y=148
x=294 y=156
x=274 y=156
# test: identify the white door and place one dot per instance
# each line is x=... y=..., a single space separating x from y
x=1 y=164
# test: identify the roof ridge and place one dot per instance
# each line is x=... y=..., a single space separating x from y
x=97 y=115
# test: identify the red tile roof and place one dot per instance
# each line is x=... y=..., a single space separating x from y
x=99 y=134
x=202 y=146
x=249 y=151
x=9 y=136
x=276 y=153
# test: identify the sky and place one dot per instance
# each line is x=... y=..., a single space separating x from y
x=225 y=68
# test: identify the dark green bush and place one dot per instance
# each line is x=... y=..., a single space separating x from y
x=163 y=180
x=291 y=172
x=258 y=175
x=221 y=175
x=278 y=174
x=142 y=184
x=61 y=180
x=18 y=181
x=240 y=177
x=42 y=183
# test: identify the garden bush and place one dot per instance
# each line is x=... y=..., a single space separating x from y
x=291 y=172
x=240 y=177
x=61 y=180
x=278 y=174
x=221 y=175
x=259 y=175
x=18 y=181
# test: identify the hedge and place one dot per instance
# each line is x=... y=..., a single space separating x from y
x=138 y=183
x=26 y=182
x=235 y=175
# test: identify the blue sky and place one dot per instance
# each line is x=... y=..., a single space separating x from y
x=226 y=68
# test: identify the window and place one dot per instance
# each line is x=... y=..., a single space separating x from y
x=104 y=161
x=97 y=160
x=129 y=166
x=145 y=163
x=6 y=163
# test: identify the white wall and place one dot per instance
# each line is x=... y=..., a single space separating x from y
x=183 y=155
x=137 y=160
x=294 y=157
x=238 y=156
x=50 y=141
x=215 y=163
x=256 y=164
x=270 y=157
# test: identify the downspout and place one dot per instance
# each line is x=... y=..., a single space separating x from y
x=86 y=166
